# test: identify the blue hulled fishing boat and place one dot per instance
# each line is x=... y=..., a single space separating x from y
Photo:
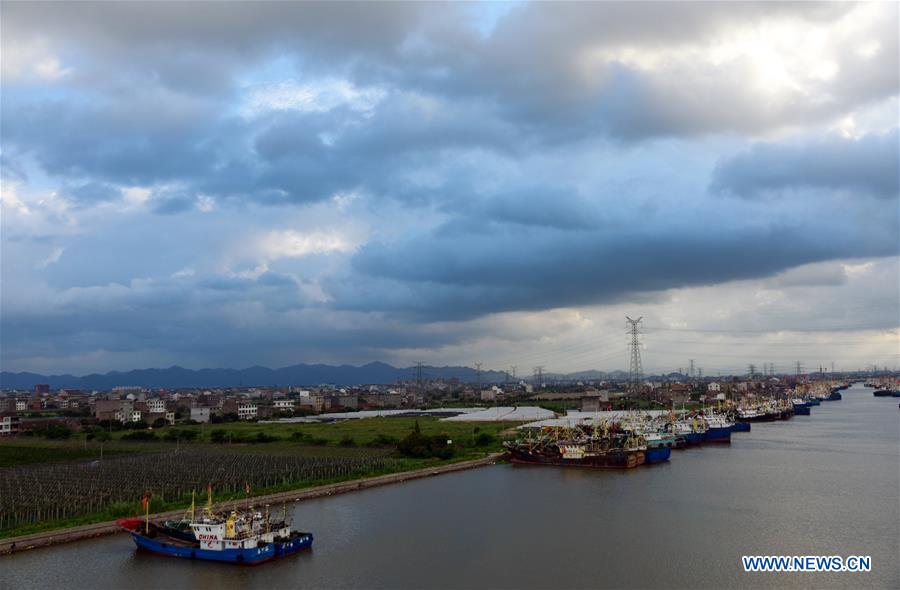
x=244 y=537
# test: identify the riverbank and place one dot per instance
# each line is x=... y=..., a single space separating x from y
x=46 y=539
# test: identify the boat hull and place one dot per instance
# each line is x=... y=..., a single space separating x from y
x=657 y=455
x=741 y=427
x=613 y=460
x=717 y=435
x=692 y=438
x=167 y=546
x=802 y=410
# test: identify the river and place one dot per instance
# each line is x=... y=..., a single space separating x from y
x=824 y=484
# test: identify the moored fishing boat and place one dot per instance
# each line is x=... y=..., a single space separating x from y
x=608 y=447
x=718 y=428
x=246 y=537
x=740 y=427
x=801 y=408
x=835 y=395
x=657 y=454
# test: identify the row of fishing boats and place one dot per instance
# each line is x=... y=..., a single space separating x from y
x=625 y=441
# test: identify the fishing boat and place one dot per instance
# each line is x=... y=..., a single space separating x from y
x=740 y=426
x=834 y=396
x=883 y=392
x=718 y=428
x=801 y=408
x=246 y=537
x=606 y=447
x=657 y=454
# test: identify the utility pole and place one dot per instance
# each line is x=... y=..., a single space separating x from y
x=635 y=369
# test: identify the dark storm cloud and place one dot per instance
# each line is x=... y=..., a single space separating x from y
x=454 y=273
x=867 y=165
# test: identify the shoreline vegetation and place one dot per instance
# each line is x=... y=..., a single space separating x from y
x=355 y=450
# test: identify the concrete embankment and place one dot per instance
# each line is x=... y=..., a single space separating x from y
x=45 y=539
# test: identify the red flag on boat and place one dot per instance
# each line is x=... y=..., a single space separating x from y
x=246 y=487
x=145 y=500
x=209 y=489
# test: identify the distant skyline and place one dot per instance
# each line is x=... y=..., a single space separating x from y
x=236 y=184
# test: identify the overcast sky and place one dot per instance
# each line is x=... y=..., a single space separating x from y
x=224 y=185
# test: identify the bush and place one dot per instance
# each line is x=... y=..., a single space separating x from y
x=484 y=439
x=159 y=423
x=175 y=434
x=382 y=440
x=420 y=446
x=56 y=432
x=218 y=436
x=262 y=437
x=347 y=441
x=319 y=442
x=98 y=434
x=141 y=435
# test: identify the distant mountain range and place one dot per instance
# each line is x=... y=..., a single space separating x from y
x=372 y=373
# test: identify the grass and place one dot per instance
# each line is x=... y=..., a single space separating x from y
x=360 y=431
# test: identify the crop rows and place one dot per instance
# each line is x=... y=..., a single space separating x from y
x=36 y=493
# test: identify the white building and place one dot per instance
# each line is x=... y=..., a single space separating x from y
x=200 y=414
x=156 y=406
x=283 y=405
x=247 y=410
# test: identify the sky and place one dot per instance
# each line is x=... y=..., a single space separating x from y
x=235 y=184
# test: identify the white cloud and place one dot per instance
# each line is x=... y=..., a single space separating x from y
x=315 y=97
x=29 y=60
x=53 y=258
x=293 y=244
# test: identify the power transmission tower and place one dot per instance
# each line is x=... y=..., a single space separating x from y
x=799 y=370
x=635 y=370
x=692 y=368
x=514 y=372
x=699 y=372
x=539 y=376
x=752 y=369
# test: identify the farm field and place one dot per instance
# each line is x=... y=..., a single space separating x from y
x=51 y=484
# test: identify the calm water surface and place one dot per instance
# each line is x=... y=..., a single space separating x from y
x=822 y=484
